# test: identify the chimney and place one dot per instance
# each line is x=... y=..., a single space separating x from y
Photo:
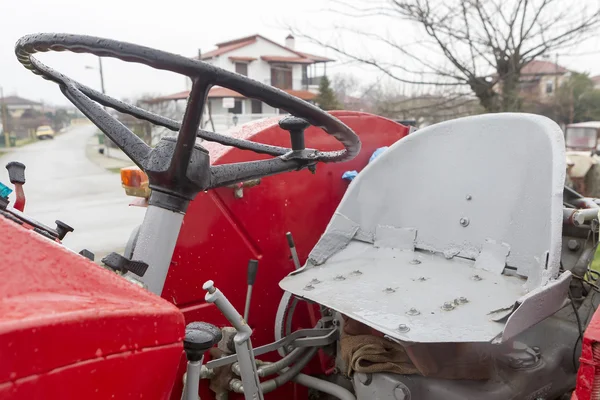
x=290 y=41
x=199 y=54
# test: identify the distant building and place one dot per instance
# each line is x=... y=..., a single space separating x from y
x=540 y=80
x=262 y=59
x=16 y=105
x=596 y=80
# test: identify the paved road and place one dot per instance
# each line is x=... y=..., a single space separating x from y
x=62 y=183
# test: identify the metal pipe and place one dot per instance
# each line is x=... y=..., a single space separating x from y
x=192 y=381
x=573 y=217
x=287 y=375
x=274 y=367
x=324 y=386
x=243 y=344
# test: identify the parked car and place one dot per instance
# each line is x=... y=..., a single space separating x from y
x=44 y=132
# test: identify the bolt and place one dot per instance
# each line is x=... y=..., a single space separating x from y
x=448 y=306
x=573 y=245
x=309 y=287
x=476 y=278
x=464 y=221
x=401 y=392
x=315 y=281
x=469 y=197
x=413 y=311
x=335 y=322
x=339 y=278
x=415 y=262
x=389 y=290
x=403 y=328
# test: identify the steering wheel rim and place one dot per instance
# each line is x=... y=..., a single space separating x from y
x=203 y=75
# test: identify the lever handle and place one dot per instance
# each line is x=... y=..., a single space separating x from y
x=295 y=126
x=199 y=337
x=252 y=270
x=16 y=172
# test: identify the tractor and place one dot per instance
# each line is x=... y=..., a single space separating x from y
x=444 y=270
x=582 y=157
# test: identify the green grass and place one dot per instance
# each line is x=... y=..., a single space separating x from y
x=25 y=141
x=596 y=261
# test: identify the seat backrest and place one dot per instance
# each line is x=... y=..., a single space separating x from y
x=462 y=184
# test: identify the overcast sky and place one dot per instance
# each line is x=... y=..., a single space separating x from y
x=178 y=26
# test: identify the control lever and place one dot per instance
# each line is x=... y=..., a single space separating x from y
x=16 y=175
x=199 y=337
x=243 y=344
x=252 y=269
x=290 y=240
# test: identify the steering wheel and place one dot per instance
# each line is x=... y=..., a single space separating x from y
x=179 y=168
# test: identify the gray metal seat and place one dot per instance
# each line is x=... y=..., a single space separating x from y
x=452 y=235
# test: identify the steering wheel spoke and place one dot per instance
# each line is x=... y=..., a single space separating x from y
x=130 y=143
x=179 y=168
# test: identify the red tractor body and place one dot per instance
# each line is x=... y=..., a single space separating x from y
x=125 y=342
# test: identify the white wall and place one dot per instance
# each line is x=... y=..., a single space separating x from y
x=258 y=69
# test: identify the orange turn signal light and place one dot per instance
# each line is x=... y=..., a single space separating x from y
x=135 y=182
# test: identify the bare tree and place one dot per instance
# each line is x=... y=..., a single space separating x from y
x=478 y=45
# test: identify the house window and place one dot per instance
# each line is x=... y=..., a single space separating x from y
x=237 y=108
x=256 y=106
x=241 y=68
x=549 y=87
x=281 y=76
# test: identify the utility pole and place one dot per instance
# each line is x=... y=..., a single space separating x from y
x=101 y=75
x=4 y=118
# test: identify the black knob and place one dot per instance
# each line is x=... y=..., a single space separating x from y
x=62 y=229
x=199 y=337
x=16 y=172
x=295 y=126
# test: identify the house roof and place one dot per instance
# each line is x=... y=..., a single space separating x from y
x=230 y=45
x=19 y=101
x=243 y=59
x=595 y=79
x=217 y=92
x=289 y=60
x=540 y=67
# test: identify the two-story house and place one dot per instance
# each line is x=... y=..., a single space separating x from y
x=257 y=57
x=540 y=79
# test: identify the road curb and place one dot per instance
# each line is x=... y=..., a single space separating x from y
x=109 y=163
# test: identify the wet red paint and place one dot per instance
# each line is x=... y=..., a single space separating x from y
x=70 y=329
x=221 y=233
x=589 y=368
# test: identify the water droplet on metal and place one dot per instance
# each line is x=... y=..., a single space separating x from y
x=469 y=197
x=463 y=300
x=309 y=287
x=448 y=306
x=403 y=328
x=315 y=281
x=415 y=262
x=389 y=290
x=464 y=221
x=356 y=273
x=339 y=278
x=476 y=278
